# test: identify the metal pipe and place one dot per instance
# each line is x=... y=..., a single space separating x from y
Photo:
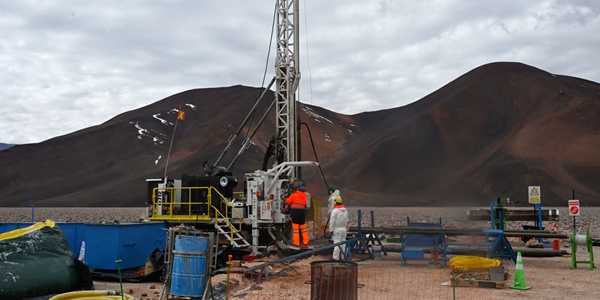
x=455 y=231
x=228 y=272
x=248 y=139
x=32 y=210
x=307 y=253
x=244 y=122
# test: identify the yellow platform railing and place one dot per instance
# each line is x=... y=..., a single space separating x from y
x=188 y=210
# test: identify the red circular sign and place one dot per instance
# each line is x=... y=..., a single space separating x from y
x=574 y=210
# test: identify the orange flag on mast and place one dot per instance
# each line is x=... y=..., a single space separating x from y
x=181 y=115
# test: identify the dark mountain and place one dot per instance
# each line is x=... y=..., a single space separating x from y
x=5 y=146
x=108 y=164
x=492 y=132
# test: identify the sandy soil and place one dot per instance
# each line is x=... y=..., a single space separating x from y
x=550 y=278
x=383 y=216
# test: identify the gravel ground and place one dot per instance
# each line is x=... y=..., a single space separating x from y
x=384 y=216
x=550 y=278
x=457 y=217
x=73 y=214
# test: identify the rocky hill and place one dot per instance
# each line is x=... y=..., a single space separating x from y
x=492 y=132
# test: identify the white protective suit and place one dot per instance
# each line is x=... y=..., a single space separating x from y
x=337 y=224
x=331 y=202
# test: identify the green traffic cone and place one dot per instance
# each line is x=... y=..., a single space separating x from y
x=519 y=275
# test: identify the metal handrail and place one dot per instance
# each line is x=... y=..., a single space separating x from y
x=170 y=204
x=228 y=204
x=189 y=203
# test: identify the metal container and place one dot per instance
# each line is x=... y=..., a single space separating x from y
x=239 y=212
x=188 y=278
x=497 y=273
x=333 y=280
x=133 y=241
x=376 y=251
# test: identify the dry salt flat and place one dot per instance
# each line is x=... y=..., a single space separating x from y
x=457 y=217
x=384 y=216
x=73 y=214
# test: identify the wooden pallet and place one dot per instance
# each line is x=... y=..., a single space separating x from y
x=486 y=283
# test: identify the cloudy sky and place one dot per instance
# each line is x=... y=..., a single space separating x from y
x=67 y=65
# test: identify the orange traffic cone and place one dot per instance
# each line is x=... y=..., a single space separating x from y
x=519 y=275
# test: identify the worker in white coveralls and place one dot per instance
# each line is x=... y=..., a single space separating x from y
x=333 y=193
x=337 y=225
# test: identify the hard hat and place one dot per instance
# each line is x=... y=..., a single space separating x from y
x=338 y=200
x=302 y=188
x=331 y=189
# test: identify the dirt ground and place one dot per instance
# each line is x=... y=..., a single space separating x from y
x=549 y=278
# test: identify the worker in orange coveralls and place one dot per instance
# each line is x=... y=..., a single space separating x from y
x=297 y=204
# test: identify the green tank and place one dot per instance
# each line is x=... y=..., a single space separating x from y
x=36 y=261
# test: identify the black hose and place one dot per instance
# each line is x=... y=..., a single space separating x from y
x=325 y=229
x=315 y=152
x=320 y=169
x=267 y=61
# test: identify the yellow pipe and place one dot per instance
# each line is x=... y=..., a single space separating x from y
x=92 y=295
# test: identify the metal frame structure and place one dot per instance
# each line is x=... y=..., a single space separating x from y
x=262 y=206
x=287 y=76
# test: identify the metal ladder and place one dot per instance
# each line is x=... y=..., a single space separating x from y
x=225 y=228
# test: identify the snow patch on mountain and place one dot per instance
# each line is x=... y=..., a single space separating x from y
x=157 y=137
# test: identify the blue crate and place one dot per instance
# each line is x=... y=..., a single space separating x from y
x=413 y=253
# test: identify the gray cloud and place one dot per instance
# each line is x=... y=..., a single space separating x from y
x=67 y=65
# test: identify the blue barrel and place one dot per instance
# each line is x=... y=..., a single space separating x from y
x=188 y=278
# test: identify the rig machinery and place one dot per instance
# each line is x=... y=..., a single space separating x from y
x=258 y=216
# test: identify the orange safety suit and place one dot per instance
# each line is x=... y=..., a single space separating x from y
x=297 y=203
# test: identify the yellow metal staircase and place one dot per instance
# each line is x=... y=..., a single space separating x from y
x=225 y=227
x=228 y=230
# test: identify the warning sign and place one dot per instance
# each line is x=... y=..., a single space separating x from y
x=534 y=195
x=574 y=207
x=181 y=115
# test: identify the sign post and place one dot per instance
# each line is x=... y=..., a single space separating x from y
x=574 y=209
x=535 y=196
x=574 y=224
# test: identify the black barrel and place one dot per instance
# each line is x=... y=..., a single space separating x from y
x=333 y=280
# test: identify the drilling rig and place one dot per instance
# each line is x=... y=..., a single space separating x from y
x=258 y=216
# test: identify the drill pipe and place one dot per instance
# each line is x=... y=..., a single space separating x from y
x=457 y=231
x=525 y=252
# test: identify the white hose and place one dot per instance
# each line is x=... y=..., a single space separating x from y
x=581 y=240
